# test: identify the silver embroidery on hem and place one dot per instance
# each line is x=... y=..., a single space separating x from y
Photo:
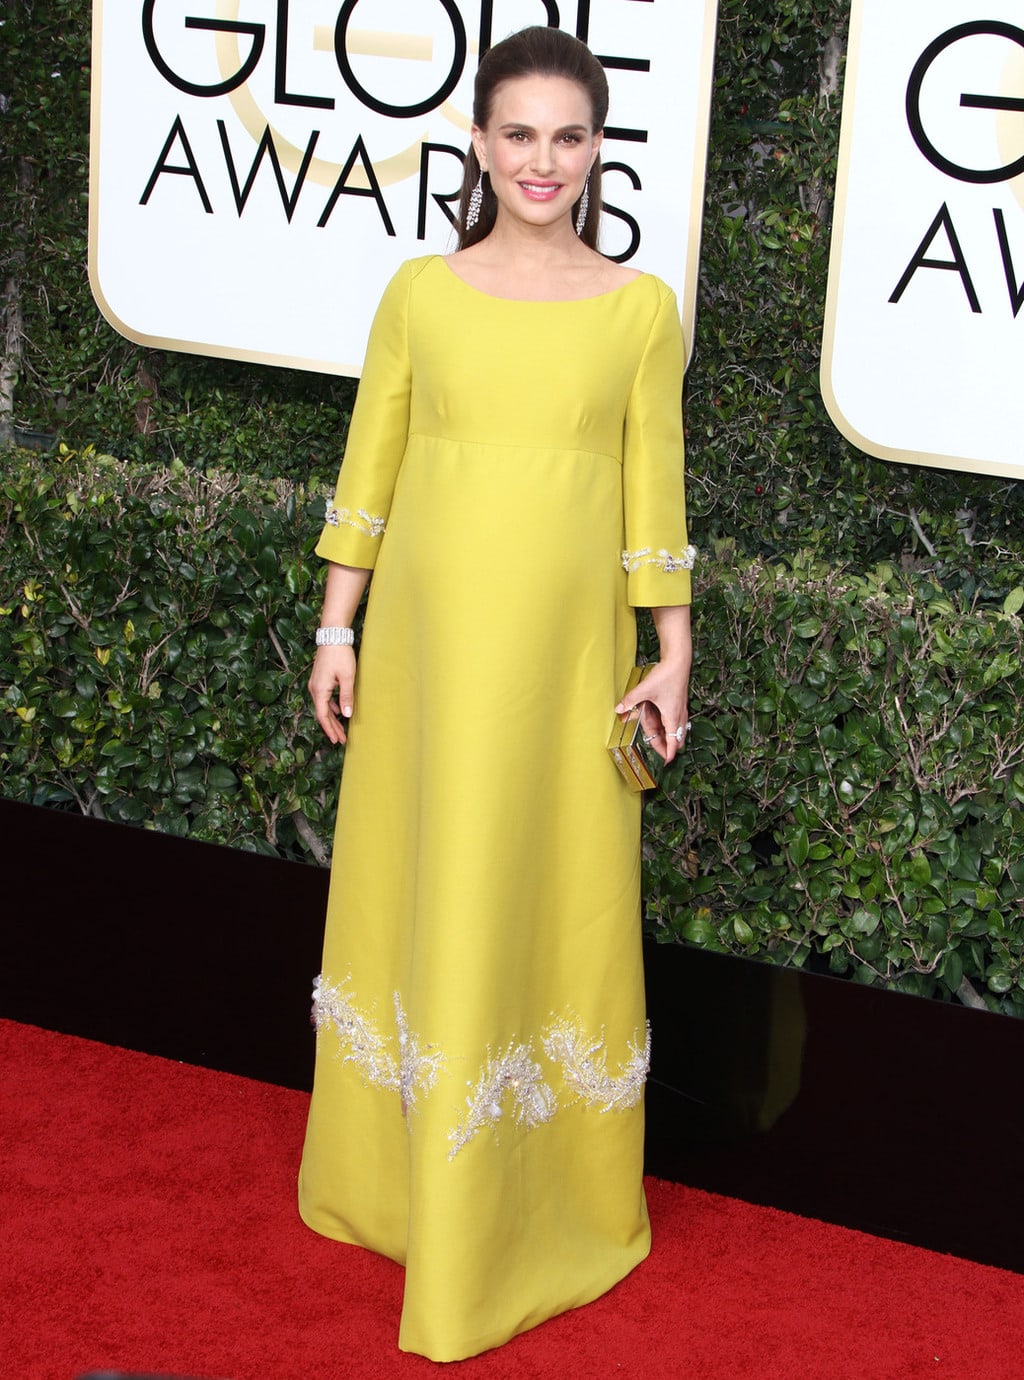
x=413 y=1070
x=401 y=1063
x=362 y=521
x=513 y=1072
x=583 y=1060
x=418 y=1069
x=634 y=560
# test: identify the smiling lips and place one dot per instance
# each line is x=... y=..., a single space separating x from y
x=541 y=191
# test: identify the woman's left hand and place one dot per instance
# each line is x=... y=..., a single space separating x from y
x=661 y=698
x=660 y=701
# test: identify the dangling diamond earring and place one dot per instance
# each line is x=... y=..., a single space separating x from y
x=476 y=200
x=581 y=215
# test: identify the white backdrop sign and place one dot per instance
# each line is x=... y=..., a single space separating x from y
x=260 y=168
x=924 y=335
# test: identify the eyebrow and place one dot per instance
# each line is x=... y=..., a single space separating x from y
x=521 y=124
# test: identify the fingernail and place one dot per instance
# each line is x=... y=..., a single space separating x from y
x=346 y=709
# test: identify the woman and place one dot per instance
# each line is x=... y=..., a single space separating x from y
x=513 y=476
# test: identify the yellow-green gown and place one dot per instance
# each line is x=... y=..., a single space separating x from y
x=514 y=478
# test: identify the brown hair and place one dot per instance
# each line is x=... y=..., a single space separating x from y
x=537 y=51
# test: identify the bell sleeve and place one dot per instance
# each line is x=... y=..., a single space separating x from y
x=658 y=557
x=357 y=515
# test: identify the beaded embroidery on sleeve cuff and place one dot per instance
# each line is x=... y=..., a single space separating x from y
x=362 y=521
x=664 y=560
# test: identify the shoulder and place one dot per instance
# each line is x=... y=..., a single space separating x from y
x=656 y=292
x=411 y=269
x=406 y=274
x=397 y=297
x=652 y=309
x=660 y=310
x=414 y=267
x=657 y=325
x=618 y=275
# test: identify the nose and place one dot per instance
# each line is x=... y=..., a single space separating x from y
x=543 y=158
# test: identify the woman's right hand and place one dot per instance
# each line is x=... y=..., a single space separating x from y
x=332 y=689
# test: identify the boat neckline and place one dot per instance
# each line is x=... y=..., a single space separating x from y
x=537 y=301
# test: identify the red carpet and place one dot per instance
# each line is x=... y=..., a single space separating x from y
x=149 y=1225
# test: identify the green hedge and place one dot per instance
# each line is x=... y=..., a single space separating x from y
x=154 y=646
x=854 y=786
x=852 y=795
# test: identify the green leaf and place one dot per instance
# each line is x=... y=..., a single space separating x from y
x=698 y=931
x=222 y=778
x=864 y=921
x=918 y=870
x=951 y=970
x=267 y=563
x=799 y=848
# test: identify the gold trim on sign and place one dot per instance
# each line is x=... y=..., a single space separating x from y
x=377 y=43
x=455 y=117
x=200 y=347
x=1010 y=123
x=828 y=334
x=95 y=88
x=702 y=129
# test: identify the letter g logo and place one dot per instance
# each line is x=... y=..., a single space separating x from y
x=922 y=67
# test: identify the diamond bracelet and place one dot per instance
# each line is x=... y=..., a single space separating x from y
x=335 y=637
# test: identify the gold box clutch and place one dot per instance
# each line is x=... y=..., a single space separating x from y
x=625 y=743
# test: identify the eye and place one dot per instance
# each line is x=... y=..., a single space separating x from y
x=572 y=138
x=518 y=136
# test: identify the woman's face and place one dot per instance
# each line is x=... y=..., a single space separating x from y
x=538 y=147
